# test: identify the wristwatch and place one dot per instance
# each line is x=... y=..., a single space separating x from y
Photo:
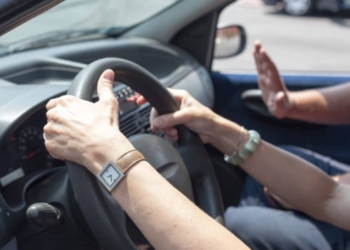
x=113 y=172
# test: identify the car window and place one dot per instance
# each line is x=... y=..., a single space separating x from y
x=68 y=18
x=315 y=42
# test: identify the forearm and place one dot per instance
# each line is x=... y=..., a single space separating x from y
x=167 y=218
x=292 y=179
x=289 y=177
x=325 y=106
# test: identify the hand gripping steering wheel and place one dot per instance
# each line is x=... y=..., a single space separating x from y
x=103 y=215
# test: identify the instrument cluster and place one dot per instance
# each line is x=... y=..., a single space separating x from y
x=24 y=151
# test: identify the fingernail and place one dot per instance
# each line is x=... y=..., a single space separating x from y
x=158 y=123
x=109 y=75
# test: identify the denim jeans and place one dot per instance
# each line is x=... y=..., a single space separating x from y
x=262 y=226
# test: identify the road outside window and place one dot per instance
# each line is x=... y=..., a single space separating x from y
x=317 y=42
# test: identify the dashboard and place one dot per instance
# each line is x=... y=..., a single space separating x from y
x=28 y=80
x=24 y=152
x=47 y=73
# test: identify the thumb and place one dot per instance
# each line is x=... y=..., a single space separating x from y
x=280 y=96
x=283 y=100
x=171 y=120
x=280 y=110
x=104 y=85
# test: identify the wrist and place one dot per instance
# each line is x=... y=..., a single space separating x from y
x=226 y=135
x=215 y=125
x=136 y=174
x=290 y=104
x=111 y=150
x=208 y=132
x=114 y=172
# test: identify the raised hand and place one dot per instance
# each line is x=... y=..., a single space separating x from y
x=275 y=93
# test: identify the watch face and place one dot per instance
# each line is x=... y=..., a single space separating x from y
x=110 y=175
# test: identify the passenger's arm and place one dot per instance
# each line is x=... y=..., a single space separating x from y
x=88 y=134
x=296 y=181
x=275 y=200
x=325 y=106
x=342 y=178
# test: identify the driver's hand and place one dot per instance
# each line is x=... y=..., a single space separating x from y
x=84 y=132
x=192 y=114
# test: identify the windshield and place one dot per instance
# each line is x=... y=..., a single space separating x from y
x=80 y=18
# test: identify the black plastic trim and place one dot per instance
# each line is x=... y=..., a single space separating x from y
x=14 y=13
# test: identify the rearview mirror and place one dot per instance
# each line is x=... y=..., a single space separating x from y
x=230 y=41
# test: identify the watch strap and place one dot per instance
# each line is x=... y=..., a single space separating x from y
x=129 y=159
x=113 y=172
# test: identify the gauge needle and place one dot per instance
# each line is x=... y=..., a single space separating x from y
x=32 y=154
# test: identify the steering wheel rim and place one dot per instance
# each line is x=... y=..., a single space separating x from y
x=104 y=216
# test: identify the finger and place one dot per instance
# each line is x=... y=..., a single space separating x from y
x=141 y=100
x=52 y=130
x=105 y=86
x=152 y=116
x=257 y=46
x=170 y=132
x=171 y=120
x=172 y=138
x=265 y=56
x=280 y=105
x=53 y=115
x=267 y=61
x=272 y=69
x=178 y=94
x=280 y=96
x=53 y=148
x=262 y=82
x=258 y=64
x=53 y=139
x=51 y=104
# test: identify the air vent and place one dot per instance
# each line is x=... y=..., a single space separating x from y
x=137 y=122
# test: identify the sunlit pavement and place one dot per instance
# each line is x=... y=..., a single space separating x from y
x=315 y=43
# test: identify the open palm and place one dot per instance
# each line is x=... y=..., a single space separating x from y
x=275 y=93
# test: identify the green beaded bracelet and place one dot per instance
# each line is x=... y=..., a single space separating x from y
x=237 y=158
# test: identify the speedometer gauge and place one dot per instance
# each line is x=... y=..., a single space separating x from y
x=30 y=142
x=31 y=147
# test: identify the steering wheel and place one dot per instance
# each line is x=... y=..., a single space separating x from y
x=103 y=215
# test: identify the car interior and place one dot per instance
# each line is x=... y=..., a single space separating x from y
x=176 y=48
